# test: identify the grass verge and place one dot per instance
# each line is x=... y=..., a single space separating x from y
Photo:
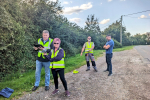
x=25 y=81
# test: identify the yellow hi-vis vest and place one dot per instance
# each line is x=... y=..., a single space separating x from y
x=57 y=64
x=46 y=45
x=88 y=47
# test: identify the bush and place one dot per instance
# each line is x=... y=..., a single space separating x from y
x=117 y=44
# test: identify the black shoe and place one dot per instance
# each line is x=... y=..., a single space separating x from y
x=96 y=70
x=106 y=70
x=34 y=88
x=46 y=88
x=87 y=69
x=109 y=74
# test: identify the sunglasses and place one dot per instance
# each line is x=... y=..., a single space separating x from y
x=56 y=43
x=89 y=38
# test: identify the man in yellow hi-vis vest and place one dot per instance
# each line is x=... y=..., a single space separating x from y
x=41 y=61
x=89 y=46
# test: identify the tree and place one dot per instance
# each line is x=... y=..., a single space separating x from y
x=114 y=30
x=22 y=23
x=128 y=34
x=92 y=24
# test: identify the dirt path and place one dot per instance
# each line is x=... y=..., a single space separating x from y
x=130 y=81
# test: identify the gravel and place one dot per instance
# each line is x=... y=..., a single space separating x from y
x=130 y=81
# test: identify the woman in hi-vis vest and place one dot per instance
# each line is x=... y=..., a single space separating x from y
x=57 y=65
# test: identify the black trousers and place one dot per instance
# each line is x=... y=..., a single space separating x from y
x=108 y=61
x=93 y=63
x=62 y=77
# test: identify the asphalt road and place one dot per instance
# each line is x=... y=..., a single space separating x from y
x=144 y=51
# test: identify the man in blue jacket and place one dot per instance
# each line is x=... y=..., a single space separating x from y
x=109 y=49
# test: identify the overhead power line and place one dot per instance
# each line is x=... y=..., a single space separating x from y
x=128 y=16
x=136 y=13
x=136 y=17
x=121 y=22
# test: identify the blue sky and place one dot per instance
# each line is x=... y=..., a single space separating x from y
x=108 y=11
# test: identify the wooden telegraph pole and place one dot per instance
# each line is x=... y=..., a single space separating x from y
x=121 y=31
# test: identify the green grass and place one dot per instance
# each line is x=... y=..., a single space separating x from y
x=123 y=48
x=78 y=61
x=24 y=82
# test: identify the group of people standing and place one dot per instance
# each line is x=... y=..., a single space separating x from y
x=89 y=46
x=51 y=56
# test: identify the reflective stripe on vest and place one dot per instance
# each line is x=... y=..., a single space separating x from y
x=46 y=46
x=57 y=64
x=88 y=47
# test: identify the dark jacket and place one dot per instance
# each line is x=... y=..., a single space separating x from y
x=48 y=50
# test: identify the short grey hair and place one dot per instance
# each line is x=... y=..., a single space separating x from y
x=46 y=31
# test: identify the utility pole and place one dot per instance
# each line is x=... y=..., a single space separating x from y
x=121 y=31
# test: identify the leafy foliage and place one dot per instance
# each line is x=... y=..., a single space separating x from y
x=127 y=39
x=22 y=22
x=92 y=24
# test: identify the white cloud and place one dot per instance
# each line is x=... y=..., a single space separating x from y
x=109 y=0
x=77 y=9
x=77 y=20
x=143 y=16
x=65 y=2
x=70 y=1
x=101 y=3
x=149 y=14
x=104 y=21
x=122 y=0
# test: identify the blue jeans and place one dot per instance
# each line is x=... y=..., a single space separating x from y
x=39 y=66
x=108 y=61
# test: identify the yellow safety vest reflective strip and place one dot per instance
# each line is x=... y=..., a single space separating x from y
x=57 y=64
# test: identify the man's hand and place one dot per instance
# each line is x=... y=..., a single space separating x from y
x=41 y=48
x=81 y=54
x=104 y=46
x=91 y=48
x=35 y=48
x=45 y=54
